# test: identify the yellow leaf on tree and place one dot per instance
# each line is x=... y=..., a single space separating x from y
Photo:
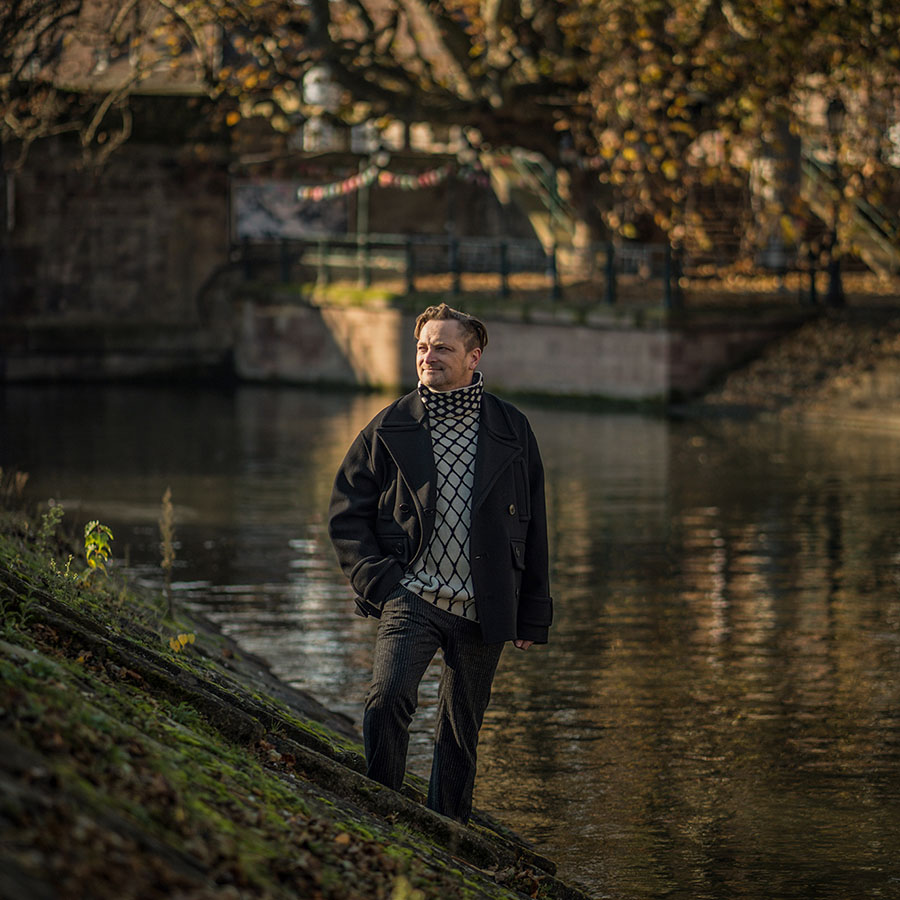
x=788 y=229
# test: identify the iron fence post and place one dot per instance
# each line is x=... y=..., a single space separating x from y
x=672 y=277
x=364 y=277
x=323 y=274
x=667 y=278
x=410 y=267
x=555 y=287
x=813 y=298
x=678 y=261
x=453 y=252
x=610 y=295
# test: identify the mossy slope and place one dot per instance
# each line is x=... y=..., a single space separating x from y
x=129 y=769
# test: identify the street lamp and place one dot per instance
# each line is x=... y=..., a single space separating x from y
x=834 y=116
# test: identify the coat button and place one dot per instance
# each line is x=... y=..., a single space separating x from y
x=404 y=508
x=429 y=510
x=512 y=509
x=398 y=549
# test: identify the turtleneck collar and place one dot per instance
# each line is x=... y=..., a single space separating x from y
x=455 y=404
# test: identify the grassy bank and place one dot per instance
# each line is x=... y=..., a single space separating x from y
x=143 y=755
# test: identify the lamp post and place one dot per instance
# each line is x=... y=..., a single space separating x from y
x=834 y=295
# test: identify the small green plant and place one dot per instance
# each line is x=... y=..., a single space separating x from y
x=167 y=543
x=14 y=619
x=185 y=714
x=97 y=551
x=49 y=526
x=66 y=572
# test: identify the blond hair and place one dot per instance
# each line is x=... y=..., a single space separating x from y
x=474 y=330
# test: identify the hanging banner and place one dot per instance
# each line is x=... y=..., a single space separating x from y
x=384 y=178
x=339 y=188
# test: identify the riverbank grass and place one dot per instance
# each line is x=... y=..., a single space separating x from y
x=142 y=754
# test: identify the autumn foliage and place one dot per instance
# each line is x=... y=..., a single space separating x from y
x=645 y=101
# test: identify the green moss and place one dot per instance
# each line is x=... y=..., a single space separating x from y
x=137 y=776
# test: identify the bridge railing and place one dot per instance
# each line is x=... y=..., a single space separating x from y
x=378 y=257
x=460 y=265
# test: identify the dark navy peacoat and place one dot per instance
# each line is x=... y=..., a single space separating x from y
x=383 y=511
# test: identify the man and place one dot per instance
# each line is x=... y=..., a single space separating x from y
x=439 y=522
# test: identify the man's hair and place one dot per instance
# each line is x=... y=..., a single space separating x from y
x=475 y=334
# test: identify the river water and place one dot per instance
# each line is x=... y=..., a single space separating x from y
x=717 y=715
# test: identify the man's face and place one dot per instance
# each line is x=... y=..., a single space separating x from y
x=442 y=361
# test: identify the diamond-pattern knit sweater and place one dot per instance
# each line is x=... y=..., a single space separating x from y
x=443 y=576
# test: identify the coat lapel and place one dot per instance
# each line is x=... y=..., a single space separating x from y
x=497 y=448
x=409 y=443
x=407 y=440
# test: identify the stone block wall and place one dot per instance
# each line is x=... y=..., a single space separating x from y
x=375 y=348
x=702 y=353
x=321 y=345
x=136 y=240
x=565 y=358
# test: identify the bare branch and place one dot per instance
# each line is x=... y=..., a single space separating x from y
x=117 y=140
x=112 y=97
x=119 y=20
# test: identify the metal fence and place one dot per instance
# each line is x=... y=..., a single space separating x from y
x=415 y=263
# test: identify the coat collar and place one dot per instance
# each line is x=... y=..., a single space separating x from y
x=403 y=432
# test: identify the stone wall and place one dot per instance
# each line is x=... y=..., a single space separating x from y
x=560 y=357
x=124 y=273
x=702 y=352
x=322 y=345
x=135 y=241
x=613 y=358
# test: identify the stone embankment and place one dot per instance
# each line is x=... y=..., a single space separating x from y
x=144 y=755
x=843 y=366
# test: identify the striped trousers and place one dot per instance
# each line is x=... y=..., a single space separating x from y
x=410 y=632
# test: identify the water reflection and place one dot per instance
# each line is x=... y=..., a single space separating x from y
x=717 y=714
x=735 y=659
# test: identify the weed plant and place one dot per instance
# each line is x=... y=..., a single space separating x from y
x=167 y=544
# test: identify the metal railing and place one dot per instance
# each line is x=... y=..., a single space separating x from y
x=540 y=176
x=595 y=273
x=874 y=225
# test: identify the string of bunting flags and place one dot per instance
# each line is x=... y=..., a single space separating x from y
x=375 y=173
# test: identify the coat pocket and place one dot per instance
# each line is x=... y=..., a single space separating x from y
x=395 y=544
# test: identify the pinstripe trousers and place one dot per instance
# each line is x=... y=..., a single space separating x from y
x=410 y=632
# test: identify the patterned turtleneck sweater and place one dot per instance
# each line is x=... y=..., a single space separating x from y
x=443 y=576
